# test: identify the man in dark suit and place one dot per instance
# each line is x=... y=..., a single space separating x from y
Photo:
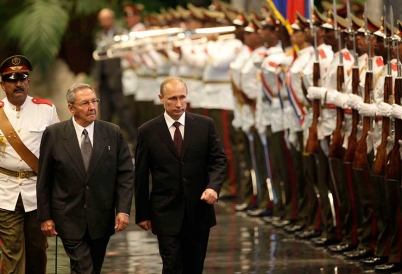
x=107 y=76
x=85 y=177
x=187 y=162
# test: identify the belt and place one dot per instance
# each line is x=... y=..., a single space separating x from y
x=216 y=82
x=19 y=174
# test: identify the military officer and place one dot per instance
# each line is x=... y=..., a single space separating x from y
x=22 y=122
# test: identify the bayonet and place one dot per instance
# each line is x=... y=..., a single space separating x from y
x=337 y=33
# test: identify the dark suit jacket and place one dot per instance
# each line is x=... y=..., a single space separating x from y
x=76 y=199
x=178 y=182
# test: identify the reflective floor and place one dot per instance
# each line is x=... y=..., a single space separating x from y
x=238 y=244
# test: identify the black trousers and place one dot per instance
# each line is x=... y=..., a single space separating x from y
x=185 y=252
x=86 y=254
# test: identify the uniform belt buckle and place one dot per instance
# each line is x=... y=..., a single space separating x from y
x=22 y=174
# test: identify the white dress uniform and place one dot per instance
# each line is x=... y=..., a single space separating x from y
x=327 y=123
x=236 y=66
x=129 y=75
x=251 y=86
x=269 y=107
x=297 y=109
x=217 y=88
x=29 y=123
x=378 y=98
x=146 y=76
x=163 y=67
x=325 y=56
x=191 y=69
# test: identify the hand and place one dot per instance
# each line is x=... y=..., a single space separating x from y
x=122 y=221
x=210 y=196
x=48 y=228
x=316 y=93
x=354 y=100
x=146 y=225
x=367 y=109
x=396 y=111
x=384 y=109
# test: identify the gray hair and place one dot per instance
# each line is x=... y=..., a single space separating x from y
x=70 y=96
x=168 y=81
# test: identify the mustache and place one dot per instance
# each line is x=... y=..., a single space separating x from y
x=18 y=89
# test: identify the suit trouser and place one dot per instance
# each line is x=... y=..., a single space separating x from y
x=298 y=184
x=279 y=156
x=366 y=190
x=23 y=244
x=325 y=188
x=309 y=209
x=86 y=254
x=223 y=121
x=185 y=252
x=244 y=190
x=395 y=206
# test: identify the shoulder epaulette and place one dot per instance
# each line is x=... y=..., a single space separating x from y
x=1 y=104
x=379 y=62
x=41 y=101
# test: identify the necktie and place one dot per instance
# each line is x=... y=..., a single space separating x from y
x=177 y=138
x=86 y=149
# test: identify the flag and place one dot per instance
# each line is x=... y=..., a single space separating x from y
x=288 y=8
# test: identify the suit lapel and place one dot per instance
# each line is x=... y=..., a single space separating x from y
x=97 y=148
x=164 y=133
x=73 y=148
x=189 y=128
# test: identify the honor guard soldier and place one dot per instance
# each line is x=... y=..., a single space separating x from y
x=217 y=93
x=22 y=122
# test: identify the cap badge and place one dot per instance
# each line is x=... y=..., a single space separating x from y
x=16 y=61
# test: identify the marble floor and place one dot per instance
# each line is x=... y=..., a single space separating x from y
x=239 y=244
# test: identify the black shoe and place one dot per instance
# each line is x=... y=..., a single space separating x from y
x=358 y=254
x=270 y=219
x=293 y=228
x=340 y=248
x=257 y=212
x=280 y=223
x=388 y=268
x=373 y=261
x=307 y=234
x=324 y=242
x=241 y=207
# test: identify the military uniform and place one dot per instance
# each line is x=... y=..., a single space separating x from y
x=22 y=243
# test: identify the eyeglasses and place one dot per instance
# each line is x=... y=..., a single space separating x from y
x=85 y=104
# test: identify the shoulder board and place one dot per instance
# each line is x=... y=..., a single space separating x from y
x=1 y=104
x=322 y=54
x=273 y=64
x=379 y=62
x=346 y=56
x=394 y=66
x=41 y=101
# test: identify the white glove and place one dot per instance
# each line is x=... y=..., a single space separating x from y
x=341 y=99
x=331 y=96
x=367 y=109
x=396 y=111
x=354 y=100
x=316 y=93
x=384 y=109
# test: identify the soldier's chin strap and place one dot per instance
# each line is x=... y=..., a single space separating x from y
x=15 y=141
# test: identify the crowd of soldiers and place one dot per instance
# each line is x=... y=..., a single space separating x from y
x=309 y=114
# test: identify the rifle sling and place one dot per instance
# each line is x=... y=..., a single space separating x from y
x=15 y=141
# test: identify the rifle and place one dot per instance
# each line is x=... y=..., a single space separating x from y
x=312 y=141
x=352 y=140
x=336 y=150
x=360 y=159
x=380 y=161
x=393 y=171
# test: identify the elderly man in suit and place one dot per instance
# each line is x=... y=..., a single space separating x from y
x=85 y=178
x=187 y=162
